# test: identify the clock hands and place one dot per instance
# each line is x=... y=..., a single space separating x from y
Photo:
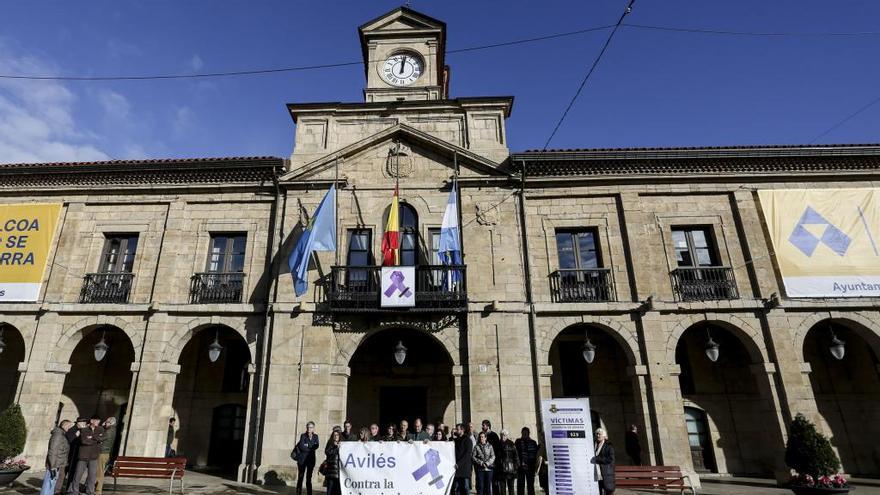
x=402 y=63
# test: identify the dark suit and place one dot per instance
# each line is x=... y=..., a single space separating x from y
x=304 y=455
x=605 y=461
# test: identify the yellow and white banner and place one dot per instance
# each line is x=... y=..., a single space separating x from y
x=826 y=240
x=26 y=234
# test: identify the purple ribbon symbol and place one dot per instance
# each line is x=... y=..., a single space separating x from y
x=397 y=285
x=432 y=460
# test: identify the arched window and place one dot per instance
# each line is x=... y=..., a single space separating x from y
x=409 y=235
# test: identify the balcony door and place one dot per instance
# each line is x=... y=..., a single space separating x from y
x=119 y=252
x=223 y=280
x=227 y=253
x=113 y=282
x=699 y=275
x=580 y=276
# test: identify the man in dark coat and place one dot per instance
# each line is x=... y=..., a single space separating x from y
x=73 y=454
x=633 y=447
x=89 y=451
x=59 y=449
x=304 y=455
x=464 y=451
x=527 y=450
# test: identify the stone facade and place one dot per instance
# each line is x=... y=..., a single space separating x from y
x=287 y=360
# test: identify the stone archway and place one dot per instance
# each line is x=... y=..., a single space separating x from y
x=99 y=387
x=211 y=400
x=614 y=401
x=382 y=391
x=733 y=395
x=12 y=356
x=847 y=391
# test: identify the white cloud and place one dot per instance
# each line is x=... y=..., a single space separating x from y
x=115 y=105
x=184 y=120
x=196 y=63
x=37 y=122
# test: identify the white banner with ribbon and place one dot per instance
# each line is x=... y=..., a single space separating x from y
x=391 y=468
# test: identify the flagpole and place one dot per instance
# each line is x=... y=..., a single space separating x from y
x=458 y=206
x=397 y=192
x=336 y=208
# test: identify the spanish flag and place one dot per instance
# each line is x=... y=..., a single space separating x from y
x=391 y=238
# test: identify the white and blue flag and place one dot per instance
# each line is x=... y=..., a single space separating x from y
x=319 y=235
x=450 y=234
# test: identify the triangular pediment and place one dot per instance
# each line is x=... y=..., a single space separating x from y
x=443 y=153
x=401 y=18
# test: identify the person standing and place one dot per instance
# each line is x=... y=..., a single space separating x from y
x=109 y=426
x=633 y=445
x=419 y=434
x=403 y=431
x=464 y=452
x=304 y=455
x=348 y=435
x=429 y=429
x=73 y=456
x=364 y=435
x=439 y=436
x=390 y=433
x=484 y=463
x=374 y=433
x=495 y=442
x=527 y=450
x=169 y=438
x=604 y=463
x=331 y=477
x=87 y=459
x=56 y=458
x=507 y=465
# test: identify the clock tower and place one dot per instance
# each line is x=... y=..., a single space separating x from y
x=403 y=54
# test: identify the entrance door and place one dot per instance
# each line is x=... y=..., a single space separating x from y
x=227 y=437
x=396 y=403
x=698 y=438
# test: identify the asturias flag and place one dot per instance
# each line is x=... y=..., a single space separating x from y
x=319 y=235
x=450 y=233
x=391 y=238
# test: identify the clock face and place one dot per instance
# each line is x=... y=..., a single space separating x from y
x=402 y=69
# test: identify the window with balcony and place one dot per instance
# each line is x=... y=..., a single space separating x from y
x=112 y=283
x=409 y=236
x=223 y=278
x=580 y=277
x=699 y=276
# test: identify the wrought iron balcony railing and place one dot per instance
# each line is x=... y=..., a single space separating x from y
x=106 y=288
x=216 y=287
x=705 y=283
x=574 y=285
x=437 y=288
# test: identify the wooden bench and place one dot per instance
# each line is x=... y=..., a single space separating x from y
x=169 y=468
x=663 y=478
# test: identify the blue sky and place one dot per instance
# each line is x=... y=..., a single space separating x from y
x=653 y=88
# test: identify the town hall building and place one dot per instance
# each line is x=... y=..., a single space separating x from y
x=650 y=280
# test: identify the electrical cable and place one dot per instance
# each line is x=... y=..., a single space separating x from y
x=275 y=70
x=590 y=72
x=845 y=119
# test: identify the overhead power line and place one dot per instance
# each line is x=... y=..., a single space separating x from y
x=590 y=72
x=286 y=69
x=276 y=70
x=816 y=34
x=845 y=119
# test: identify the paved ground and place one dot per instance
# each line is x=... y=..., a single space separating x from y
x=198 y=483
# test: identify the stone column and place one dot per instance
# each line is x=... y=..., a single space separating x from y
x=764 y=377
x=638 y=374
x=246 y=467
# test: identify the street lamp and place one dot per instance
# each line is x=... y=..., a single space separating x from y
x=837 y=347
x=588 y=350
x=101 y=348
x=399 y=352
x=214 y=349
x=712 y=347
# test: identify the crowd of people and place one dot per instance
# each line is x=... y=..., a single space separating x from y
x=497 y=462
x=77 y=449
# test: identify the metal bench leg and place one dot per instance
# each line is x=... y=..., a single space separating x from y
x=171 y=485
x=114 y=483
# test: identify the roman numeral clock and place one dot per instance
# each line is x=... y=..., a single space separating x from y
x=402 y=68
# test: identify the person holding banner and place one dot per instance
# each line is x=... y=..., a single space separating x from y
x=484 y=463
x=403 y=431
x=331 y=464
x=390 y=433
x=604 y=461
